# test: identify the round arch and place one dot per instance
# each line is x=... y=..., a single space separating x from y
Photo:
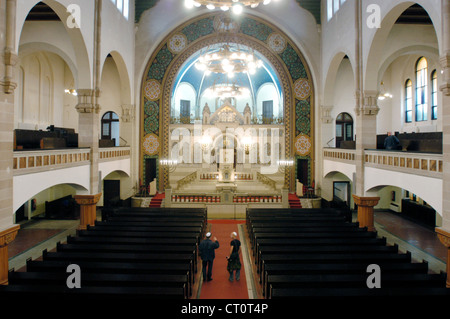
x=330 y=77
x=378 y=39
x=124 y=76
x=286 y=59
x=80 y=51
x=24 y=197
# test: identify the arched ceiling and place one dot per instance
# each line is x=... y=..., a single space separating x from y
x=200 y=81
x=312 y=6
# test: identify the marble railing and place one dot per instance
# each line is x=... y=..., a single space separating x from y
x=26 y=162
x=113 y=153
x=425 y=164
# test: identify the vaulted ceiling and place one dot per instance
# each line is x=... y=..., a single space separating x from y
x=311 y=5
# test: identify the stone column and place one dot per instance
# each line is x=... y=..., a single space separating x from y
x=365 y=210
x=88 y=127
x=88 y=209
x=443 y=232
x=8 y=61
x=366 y=134
x=445 y=89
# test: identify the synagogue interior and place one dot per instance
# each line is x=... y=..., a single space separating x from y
x=316 y=131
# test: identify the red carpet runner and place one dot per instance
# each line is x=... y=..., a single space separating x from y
x=157 y=199
x=294 y=201
x=220 y=287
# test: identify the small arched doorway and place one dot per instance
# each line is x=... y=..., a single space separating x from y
x=110 y=127
x=344 y=128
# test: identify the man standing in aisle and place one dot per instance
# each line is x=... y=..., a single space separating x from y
x=207 y=253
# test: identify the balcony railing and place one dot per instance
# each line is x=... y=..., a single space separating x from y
x=113 y=153
x=339 y=154
x=26 y=162
x=426 y=164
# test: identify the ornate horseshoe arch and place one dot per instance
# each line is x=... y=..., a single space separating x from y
x=186 y=40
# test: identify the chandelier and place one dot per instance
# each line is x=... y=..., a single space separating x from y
x=235 y=5
x=228 y=62
x=227 y=91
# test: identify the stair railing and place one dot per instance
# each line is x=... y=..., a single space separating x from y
x=187 y=179
x=266 y=180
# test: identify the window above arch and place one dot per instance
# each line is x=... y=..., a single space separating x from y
x=434 y=91
x=408 y=101
x=421 y=89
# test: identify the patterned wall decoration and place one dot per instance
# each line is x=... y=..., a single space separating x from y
x=197 y=34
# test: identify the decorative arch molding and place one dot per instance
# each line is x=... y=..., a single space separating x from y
x=277 y=48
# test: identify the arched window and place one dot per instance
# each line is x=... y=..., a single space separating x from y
x=344 y=128
x=434 y=102
x=408 y=101
x=421 y=89
x=110 y=127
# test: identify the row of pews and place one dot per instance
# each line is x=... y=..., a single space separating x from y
x=321 y=253
x=130 y=253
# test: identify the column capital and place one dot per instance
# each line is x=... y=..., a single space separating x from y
x=326 y=117
x=370 y=103
x=365 y=201
x=128 y=112
x=445 y=65
x=86 y=101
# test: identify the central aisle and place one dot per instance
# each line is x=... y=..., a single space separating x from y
x=220 y=287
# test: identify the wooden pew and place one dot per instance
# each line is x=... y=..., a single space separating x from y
x=353 y=281
x=103 y=280
x=342 y=268
x=112 y=293
x=278 y=293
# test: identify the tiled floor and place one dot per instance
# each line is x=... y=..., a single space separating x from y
x=35 y=236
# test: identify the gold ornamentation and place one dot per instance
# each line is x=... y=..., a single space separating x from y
x=152 y=90
x=302 y=89
x=303 y=145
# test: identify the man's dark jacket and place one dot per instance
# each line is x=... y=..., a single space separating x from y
x=206 y=249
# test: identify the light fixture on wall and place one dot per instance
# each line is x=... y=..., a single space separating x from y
x=236 y=6
x=383 y=94
x=71 y=91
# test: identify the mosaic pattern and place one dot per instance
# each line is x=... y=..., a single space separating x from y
x=302 y=89
x=199 y=29
x=151 y=124
x=187 y=40
x=177 y=43
x=255 y=29
x=303 y=124
x=303 y=145
x=277 y=42
x=151 y=144
x=151 y=108
x=152 y=90
x=293 y=63
x=303 y=108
